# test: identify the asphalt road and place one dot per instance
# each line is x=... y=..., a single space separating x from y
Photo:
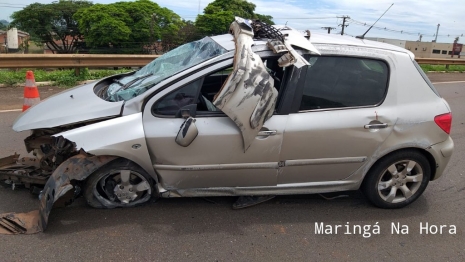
x=282 y=229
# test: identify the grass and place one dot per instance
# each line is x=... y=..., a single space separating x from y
x=62 y=78
x=459 y=68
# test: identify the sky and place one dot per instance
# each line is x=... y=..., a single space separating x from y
x=405 y=20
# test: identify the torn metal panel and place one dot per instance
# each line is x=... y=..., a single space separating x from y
x=296 y=38
x=78 y=167
x=9 y=160
x=23 y=223
x=21 y=170
x=248 y=96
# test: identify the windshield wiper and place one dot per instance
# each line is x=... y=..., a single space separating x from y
x=126 y=86
x=118 y=82
x=130 y=83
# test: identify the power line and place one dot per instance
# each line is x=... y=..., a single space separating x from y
x=401 y=31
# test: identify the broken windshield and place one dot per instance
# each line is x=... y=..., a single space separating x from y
x=173 y=62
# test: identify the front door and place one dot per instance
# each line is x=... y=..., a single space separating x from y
x=216 y=157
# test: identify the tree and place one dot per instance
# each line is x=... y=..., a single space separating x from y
x=52 y=24
x=126 y=27
x=219 y=14
x=4 y=25
x=186 y=33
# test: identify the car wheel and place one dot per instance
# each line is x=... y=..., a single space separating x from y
x=120 y=183
x=397 y=180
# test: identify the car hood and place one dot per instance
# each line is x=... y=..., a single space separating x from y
x=79 y=104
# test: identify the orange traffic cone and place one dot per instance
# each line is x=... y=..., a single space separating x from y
x=31 y=93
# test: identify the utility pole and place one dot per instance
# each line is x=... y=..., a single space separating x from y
x=151 y=29
x=152 y=20
x=328 y=28
x=436 y=36
x=343 y=23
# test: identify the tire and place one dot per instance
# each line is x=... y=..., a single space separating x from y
x=120 y=183
x=397 y=180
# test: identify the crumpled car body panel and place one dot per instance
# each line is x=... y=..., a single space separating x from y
x=79 y=104
x=78 y=167
x=248 y=96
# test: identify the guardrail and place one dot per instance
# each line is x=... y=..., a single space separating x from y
x=440 y=61
x=99 y=61
x=73 y=60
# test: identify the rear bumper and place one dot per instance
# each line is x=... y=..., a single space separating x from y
x=442 y=153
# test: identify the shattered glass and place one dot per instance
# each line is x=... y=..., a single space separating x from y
x=173 y=62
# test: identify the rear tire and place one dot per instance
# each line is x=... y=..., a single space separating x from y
x=397 y=180
x=120 y=183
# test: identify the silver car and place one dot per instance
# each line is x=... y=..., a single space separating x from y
x=261 y=111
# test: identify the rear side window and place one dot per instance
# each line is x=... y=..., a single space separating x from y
x=425 y=77
x=337 y=82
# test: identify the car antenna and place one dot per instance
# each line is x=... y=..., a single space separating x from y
x=363 y=36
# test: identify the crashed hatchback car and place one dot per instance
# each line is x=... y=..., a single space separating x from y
x=264 y=110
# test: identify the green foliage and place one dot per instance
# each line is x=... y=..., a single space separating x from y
x=64 y=78
x=10 y=78
x=4 y=24
x=219 y=14
x=52 y=24
x=126 y=25
x=265 y=18
x=187 y=33
x=452 y=68
x=215 y=22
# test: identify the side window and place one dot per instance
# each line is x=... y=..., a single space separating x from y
x=171 y=103
x=209 y=86
x=337 y=82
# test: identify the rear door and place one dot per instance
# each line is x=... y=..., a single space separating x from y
x=342 y=116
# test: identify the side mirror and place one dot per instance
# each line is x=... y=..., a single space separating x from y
x=187 y=132
x=187 y=111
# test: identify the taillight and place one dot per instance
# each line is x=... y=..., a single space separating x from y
x=444 y=122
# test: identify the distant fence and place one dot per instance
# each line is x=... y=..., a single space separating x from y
x=100 y=61
x=439 y=61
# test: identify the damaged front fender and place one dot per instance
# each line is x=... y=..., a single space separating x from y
x=78 y=167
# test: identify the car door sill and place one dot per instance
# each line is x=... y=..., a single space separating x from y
x=266 y=165
x=281 y=189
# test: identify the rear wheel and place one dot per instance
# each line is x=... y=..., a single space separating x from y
x=120 y=183
x=397 y=180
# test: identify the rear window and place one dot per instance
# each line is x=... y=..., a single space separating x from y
x=425 y=77
x=337 y=82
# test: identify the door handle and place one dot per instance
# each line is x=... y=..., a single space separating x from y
x=376 y=126
x=267 y=133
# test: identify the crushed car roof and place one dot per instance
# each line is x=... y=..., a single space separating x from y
x=227 y=41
